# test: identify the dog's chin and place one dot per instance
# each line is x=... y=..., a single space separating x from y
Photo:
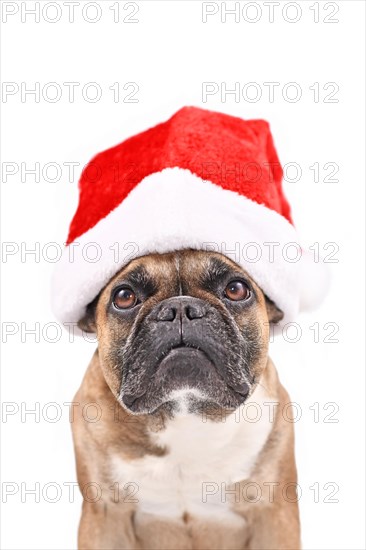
x=186 y=381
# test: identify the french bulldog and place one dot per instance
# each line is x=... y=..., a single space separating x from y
x=188 y=447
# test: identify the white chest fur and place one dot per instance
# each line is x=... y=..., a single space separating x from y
x=203 y=458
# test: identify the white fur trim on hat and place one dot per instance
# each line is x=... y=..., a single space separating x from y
x=174 y=209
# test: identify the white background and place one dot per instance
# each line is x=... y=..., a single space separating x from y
x=169 y=53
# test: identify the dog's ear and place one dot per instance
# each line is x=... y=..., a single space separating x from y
x=273 y=312
x=88 y=322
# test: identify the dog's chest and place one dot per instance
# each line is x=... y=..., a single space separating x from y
x=203 y=459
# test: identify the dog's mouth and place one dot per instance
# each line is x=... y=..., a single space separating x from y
x=185 y=363
x=186 y=349
x=192 y=360
x=187 y=367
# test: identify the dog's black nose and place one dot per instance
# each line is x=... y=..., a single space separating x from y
x=182 y=308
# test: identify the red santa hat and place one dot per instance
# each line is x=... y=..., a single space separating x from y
x=201 y=180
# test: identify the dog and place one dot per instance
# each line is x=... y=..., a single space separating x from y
x=189 y=449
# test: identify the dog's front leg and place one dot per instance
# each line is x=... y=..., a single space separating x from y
x=276 y=527
x=104 y=527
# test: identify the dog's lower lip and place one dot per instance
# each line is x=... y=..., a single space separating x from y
x=185 y=362
x=188 y=347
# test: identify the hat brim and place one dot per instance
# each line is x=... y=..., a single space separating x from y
x=175 y=209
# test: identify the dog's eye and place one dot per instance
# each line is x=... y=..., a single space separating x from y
x=124 y=298
x=236 y=291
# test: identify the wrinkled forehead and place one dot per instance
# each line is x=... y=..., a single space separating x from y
x=189 y=267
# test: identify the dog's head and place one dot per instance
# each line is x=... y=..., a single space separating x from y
x=189 y=323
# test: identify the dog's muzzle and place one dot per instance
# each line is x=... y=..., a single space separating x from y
x=184 y=343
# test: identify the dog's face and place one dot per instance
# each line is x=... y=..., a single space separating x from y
x=189 y=323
